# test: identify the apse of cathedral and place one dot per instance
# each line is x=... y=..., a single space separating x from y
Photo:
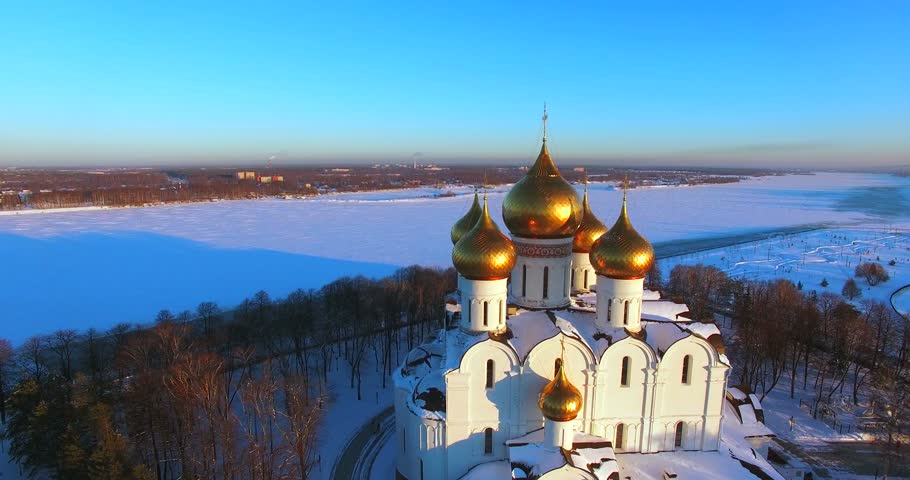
x=555 y=358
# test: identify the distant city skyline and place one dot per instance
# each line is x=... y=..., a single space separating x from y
x=804 y=84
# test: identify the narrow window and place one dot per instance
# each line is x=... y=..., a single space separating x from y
x=573 y=279
x=546 y=281
x=485 y=314
x=678 y=443
x=625 y=313
x=488 y=441
x=421 y=469
x=404 y=441
x=624 y=374
x=586 y=278
x=469 y=312
x=502 y=318
x=489 y=374
x=687 y=360
x=524 y=280
x=620 y=435
x=556 y=365
x=609 y=310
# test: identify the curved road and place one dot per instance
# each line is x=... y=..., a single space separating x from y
x=905 y=290
x=356 y=461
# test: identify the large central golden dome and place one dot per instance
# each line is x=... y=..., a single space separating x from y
x=622 y=252
x=484 y=253
x=542 y=204
x=560 y=401
x=590 y=229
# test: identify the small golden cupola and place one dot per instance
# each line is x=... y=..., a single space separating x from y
x=590 y=229
x=467 y=222
x=622 y=253
x=542 y=204
x=560 y=401
x=484 y=253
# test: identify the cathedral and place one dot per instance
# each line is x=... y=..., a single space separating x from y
x=555 y=357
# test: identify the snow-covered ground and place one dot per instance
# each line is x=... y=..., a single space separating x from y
x=811 y=257
x=96 y=268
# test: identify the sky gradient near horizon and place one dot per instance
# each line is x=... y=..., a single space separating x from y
x=777 y=83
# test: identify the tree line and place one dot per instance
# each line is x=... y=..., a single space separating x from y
x=209 y=394
x=786 y=334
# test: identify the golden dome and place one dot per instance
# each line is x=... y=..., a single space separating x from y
x=467 y=222
x=542 y=204
x=590 y=229
x=560 y=401
x=622 y=252
x=484 y=253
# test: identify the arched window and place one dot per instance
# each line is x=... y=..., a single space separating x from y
x=620 y=435
x=490 y=366
x=625 y=313
x=586 y=278
x=556 y=365
x=624 y=373
x=421 y=469
x=609 y=309
x=488 y=441
x=678 y=442
x=546 y=282
x=524 y=280
x=486 y=314
x=469 y=311
x=572 y=282
x=686 y=366
x=502 y=317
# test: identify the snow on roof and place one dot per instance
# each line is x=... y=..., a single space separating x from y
x=747 y=413
x=735 y=428
x=589 y=453
x=756 y=403
x=737 y=394
x=486 y=471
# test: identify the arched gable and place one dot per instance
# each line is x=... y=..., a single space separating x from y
x=630 y=346
x=503 y=354
x=704 y=354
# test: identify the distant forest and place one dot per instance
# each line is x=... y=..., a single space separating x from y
x=46 y=189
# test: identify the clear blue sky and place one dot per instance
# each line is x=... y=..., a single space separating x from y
x=725 y=82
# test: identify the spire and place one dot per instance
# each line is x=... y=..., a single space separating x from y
x=544 y=118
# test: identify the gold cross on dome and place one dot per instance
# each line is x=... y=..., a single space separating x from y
x=544 y=118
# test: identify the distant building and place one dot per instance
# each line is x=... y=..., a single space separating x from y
x=246 y=175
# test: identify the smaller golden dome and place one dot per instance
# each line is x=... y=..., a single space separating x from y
x=560 y=401
x=484 y=253
x=622 y=253
x=467 y=222
x=590 y=228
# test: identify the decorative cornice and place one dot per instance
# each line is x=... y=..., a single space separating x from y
x=542 y=251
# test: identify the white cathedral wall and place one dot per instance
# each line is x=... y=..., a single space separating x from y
x=535 y=255
x=698 y=403
x=581 y=264
x=612 y=297
x=629 y=405
x=476 y=293
x=539 y=369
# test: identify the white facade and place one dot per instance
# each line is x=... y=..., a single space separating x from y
x=583 y=275
x=542 y=272
x=619 y=302
x=484 y=304
x=492 y=387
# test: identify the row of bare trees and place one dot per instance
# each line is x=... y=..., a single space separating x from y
x=209 y=394
x=783 y=334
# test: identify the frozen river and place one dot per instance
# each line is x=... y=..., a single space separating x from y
x=101 y=267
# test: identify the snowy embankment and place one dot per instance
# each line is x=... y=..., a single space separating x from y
x=98 y=268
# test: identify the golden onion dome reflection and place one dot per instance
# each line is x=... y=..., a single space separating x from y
x=590 y=228
x=542 y=204
x=622 y=253
x=560 y=401
x=484 y=253
x=467 y=222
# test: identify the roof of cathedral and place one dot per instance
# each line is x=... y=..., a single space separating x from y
x=467 y=222
x=590 y=228
x=424 y=370
x=590 y=455
x=484 y=253
x=622 y=252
